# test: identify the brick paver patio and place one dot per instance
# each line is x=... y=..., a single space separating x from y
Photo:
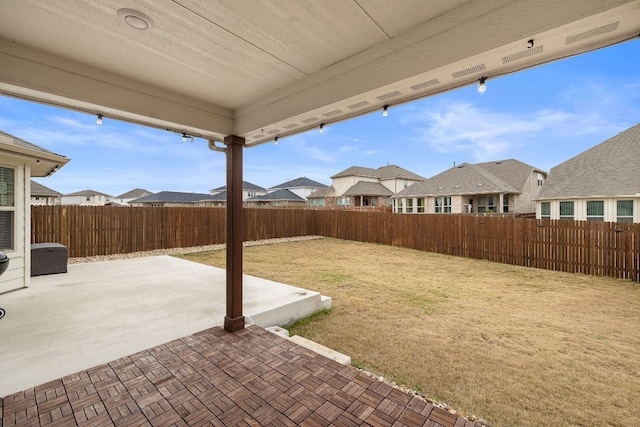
x=249 y=378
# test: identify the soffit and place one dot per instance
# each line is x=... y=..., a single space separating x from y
x=279 y=67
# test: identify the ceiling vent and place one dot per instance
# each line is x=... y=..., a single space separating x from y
x=425 y=85
x=389 y=95
x=467 y=71
x=592 y=33
x=272 y=132
x=358 y=105
x=311 y=120
x=332 y=113
x=291 y=126
x=521 y=55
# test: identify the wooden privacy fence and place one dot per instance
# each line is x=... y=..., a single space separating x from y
x=599 y=248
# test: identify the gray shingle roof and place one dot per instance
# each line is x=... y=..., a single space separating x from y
x=511 y=171
x=87 y=193
x=320 y=193
x=135 y=193
x=245 y=186
x=278 y=195
x=384 y=172
x=174 y=197
x=611 y=168
x=38 y=189
x=366 y=188
x=484 y=178
x=299 y=182
x=12 y=140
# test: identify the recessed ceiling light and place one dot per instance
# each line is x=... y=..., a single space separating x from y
x=136 y=20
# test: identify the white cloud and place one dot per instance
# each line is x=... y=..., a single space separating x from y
x=462 y=127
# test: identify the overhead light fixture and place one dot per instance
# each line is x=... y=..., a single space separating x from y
x=99 y=120
x=184 y=137
x=385 y=111
x=135 y=19
x=275 y=141
x=482 y=86
x=321 y=130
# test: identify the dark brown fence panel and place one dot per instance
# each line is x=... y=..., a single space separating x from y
x=105 y=230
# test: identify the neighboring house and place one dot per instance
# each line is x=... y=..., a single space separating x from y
x=125 y=198
x=216 y=200
x=600 y=184
x=172 y=198
x=504 y=186
x=360 y=186
x=248 y=190
x=44 y=196
x=302 y=186
x=278 y=198
x=19 y=161
x=86 y=198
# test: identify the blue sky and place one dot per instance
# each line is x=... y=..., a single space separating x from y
x=542 y=116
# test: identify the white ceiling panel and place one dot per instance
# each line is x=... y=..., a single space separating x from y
x=397 y=16
x=260 y=69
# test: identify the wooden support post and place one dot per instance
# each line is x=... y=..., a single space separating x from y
x=234 y=320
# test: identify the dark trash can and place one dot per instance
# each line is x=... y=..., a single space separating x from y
x=4 y=262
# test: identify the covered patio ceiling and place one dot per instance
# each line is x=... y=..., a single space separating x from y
x=273 y=68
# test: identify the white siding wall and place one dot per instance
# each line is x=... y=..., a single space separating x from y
x=524 y=202
x=19 y=272
x=94 y=200
x=580 y=208
x=341 y=185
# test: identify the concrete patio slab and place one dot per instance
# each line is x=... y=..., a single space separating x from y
x=101 y=311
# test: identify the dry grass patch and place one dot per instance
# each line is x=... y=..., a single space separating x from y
x=515 y=345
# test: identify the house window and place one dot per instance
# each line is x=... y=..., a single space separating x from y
x=88 y=198
x=540 y=179
x=409 y=205
x=505 y=203
x=545 y=210
x=7 y=207
x=566 y=210
x=624 y=212
x=420 y=204
x=344 y=201
x=369 y=200
x=486 y=204
x=595 y=210
x=443 y=204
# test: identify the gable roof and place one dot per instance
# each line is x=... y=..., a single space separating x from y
x=511 y=171
x=278 y=195
x=38 y=189
x=245 y=186
x=321 y=192
x=173 y=197
x=366 y=188
x=503 y=176
x=42 y=161
x=299 y=182
x=607 y=169
x=134 y=194
x=87 y=193
x=382 y=173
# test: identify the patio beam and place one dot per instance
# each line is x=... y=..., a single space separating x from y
x=234 y=320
